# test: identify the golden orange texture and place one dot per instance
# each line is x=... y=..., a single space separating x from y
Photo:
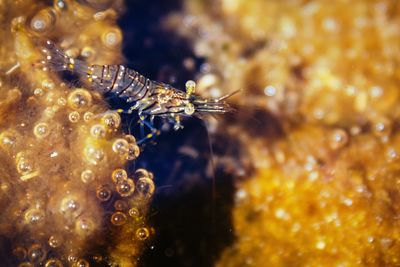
x=319 y=115
x=62 y=153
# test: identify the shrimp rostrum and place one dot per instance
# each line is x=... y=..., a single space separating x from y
x=148 y=98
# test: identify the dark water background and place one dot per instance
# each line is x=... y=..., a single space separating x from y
x=191 y=210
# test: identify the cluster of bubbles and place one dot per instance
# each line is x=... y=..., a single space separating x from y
x=65 y=190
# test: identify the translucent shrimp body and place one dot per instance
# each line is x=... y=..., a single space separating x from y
x=149 y=98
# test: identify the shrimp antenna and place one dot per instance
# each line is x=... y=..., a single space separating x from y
x=228 y=95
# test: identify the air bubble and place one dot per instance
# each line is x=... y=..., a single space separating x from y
x=53 y=263
x=38 y=92
x=134 y=212
x=118 y=218
x=79 y=100
x=87 y=176
x=88 y=52
x=8 y=140
x=24 y=165
x=142 y=233
x=34 y=216
x=84 y=227
x=88 y=116
x=145 y=187
x=81 y=263
x=20 y=253
x=97 y=258
x=119 y=175
x=55 y=241
x=103 y=193
x=43 y=21
x=112 y=38
x=125 y=187
x=60 y=4
x=111 y=119
x=94 y=155
x=98 y=131
x=121 y=205
x=70 y=207
x=41 y=130
x=382 y=127
x=133 y=152
x=36 y=253
x=338 y=139
x=120 y=146
x=140 y=173
x=74 y=116
x=72 y=258
x=130 y=138
x=61 y=101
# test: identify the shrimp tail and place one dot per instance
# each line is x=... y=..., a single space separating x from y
x=56 y=60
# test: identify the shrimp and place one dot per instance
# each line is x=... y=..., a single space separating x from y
x=149 y=98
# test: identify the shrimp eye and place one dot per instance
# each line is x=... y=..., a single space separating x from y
x=189 y=109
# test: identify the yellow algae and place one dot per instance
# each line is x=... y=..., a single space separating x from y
x=324 y=191
x=58 y=147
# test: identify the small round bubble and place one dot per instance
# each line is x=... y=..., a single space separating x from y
x=8 y=139
x=88 y=116
x=43 y=21
x=24 y=165
x=120 y=146
x=79 y=99
x=112 y=37
x=140 y=173
x=61 y=101
x=133 y=152
x=121 y=205
x=145 y=187
x=119 y=175
x=98 y=131
x=34 y=216
x=97 y=258
x=72 y=258
x=111 y=120
x=118 y=218
x=36 y=253
x=87 y=176
x=53 y=263
x=88 y=52
x=54 y=241
x=70 y=207
x=338 y=139
x=130 y=138
x=81 y=263
x=134 y=212
x=84 y=226
x=382 y=127
x=142 y=233
x=103 y=193
x=74 y=116
x=94 y=155
x=41 y=130
x=125 y=187
x=19 y=253
x=38 y=92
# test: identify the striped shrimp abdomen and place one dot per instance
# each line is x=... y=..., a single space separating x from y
x=119 y=80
